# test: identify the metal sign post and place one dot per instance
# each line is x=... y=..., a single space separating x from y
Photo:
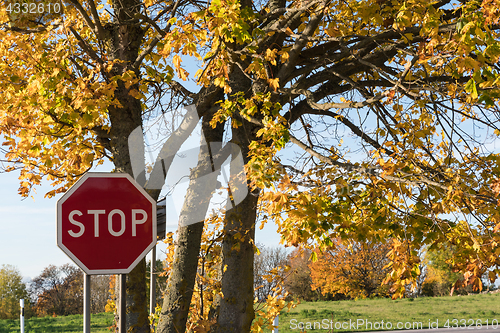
x=152 y=283
x=106 y=223
x=86 y=303
x=122 y=326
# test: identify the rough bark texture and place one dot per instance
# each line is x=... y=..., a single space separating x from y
x=123 y=42
x=137 y=302
x=235 y=308
x=235 y=311
x=181 y=280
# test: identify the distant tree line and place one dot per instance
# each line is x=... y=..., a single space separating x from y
x=57 y=291
x=342 y=271
x=442 y=278
x=354 y=270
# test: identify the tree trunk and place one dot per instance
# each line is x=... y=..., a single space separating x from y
x=137 y=303
x=123 y=43
x=124 y=120
x=181 y=279
x=236 y=311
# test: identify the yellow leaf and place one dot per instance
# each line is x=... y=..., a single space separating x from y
x=271 y=56
x=274 y=83
x=284 y=56
x=177 y=61
x=492 y=276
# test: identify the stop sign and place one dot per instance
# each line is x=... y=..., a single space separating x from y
x=106 y=223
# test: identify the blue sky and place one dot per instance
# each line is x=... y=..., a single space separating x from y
x=27 y=229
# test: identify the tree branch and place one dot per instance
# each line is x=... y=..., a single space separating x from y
x=155 y=40
x=86 y=17
x=375 y=171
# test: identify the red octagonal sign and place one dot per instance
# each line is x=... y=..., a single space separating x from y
x=106 y=223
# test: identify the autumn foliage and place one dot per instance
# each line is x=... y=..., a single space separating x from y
x=58 y=291
x=440 y=279
x=12 y=289
x=298 y=279
x=354 y=269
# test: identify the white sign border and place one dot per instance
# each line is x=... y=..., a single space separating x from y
x=73 y=188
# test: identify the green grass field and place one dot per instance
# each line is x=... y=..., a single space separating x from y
x=99 y=323
x=366 y=315
x=468 y=311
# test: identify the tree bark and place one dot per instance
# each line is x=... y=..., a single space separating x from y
x=236 y=311
x=181 y=279
x=123 y=43
x=137 y=302
x=235 y=308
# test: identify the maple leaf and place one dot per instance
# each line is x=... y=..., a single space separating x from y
x=274 y=83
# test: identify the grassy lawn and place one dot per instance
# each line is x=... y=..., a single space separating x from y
x=366 y=315
x=99 y=323
x=361 y=315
